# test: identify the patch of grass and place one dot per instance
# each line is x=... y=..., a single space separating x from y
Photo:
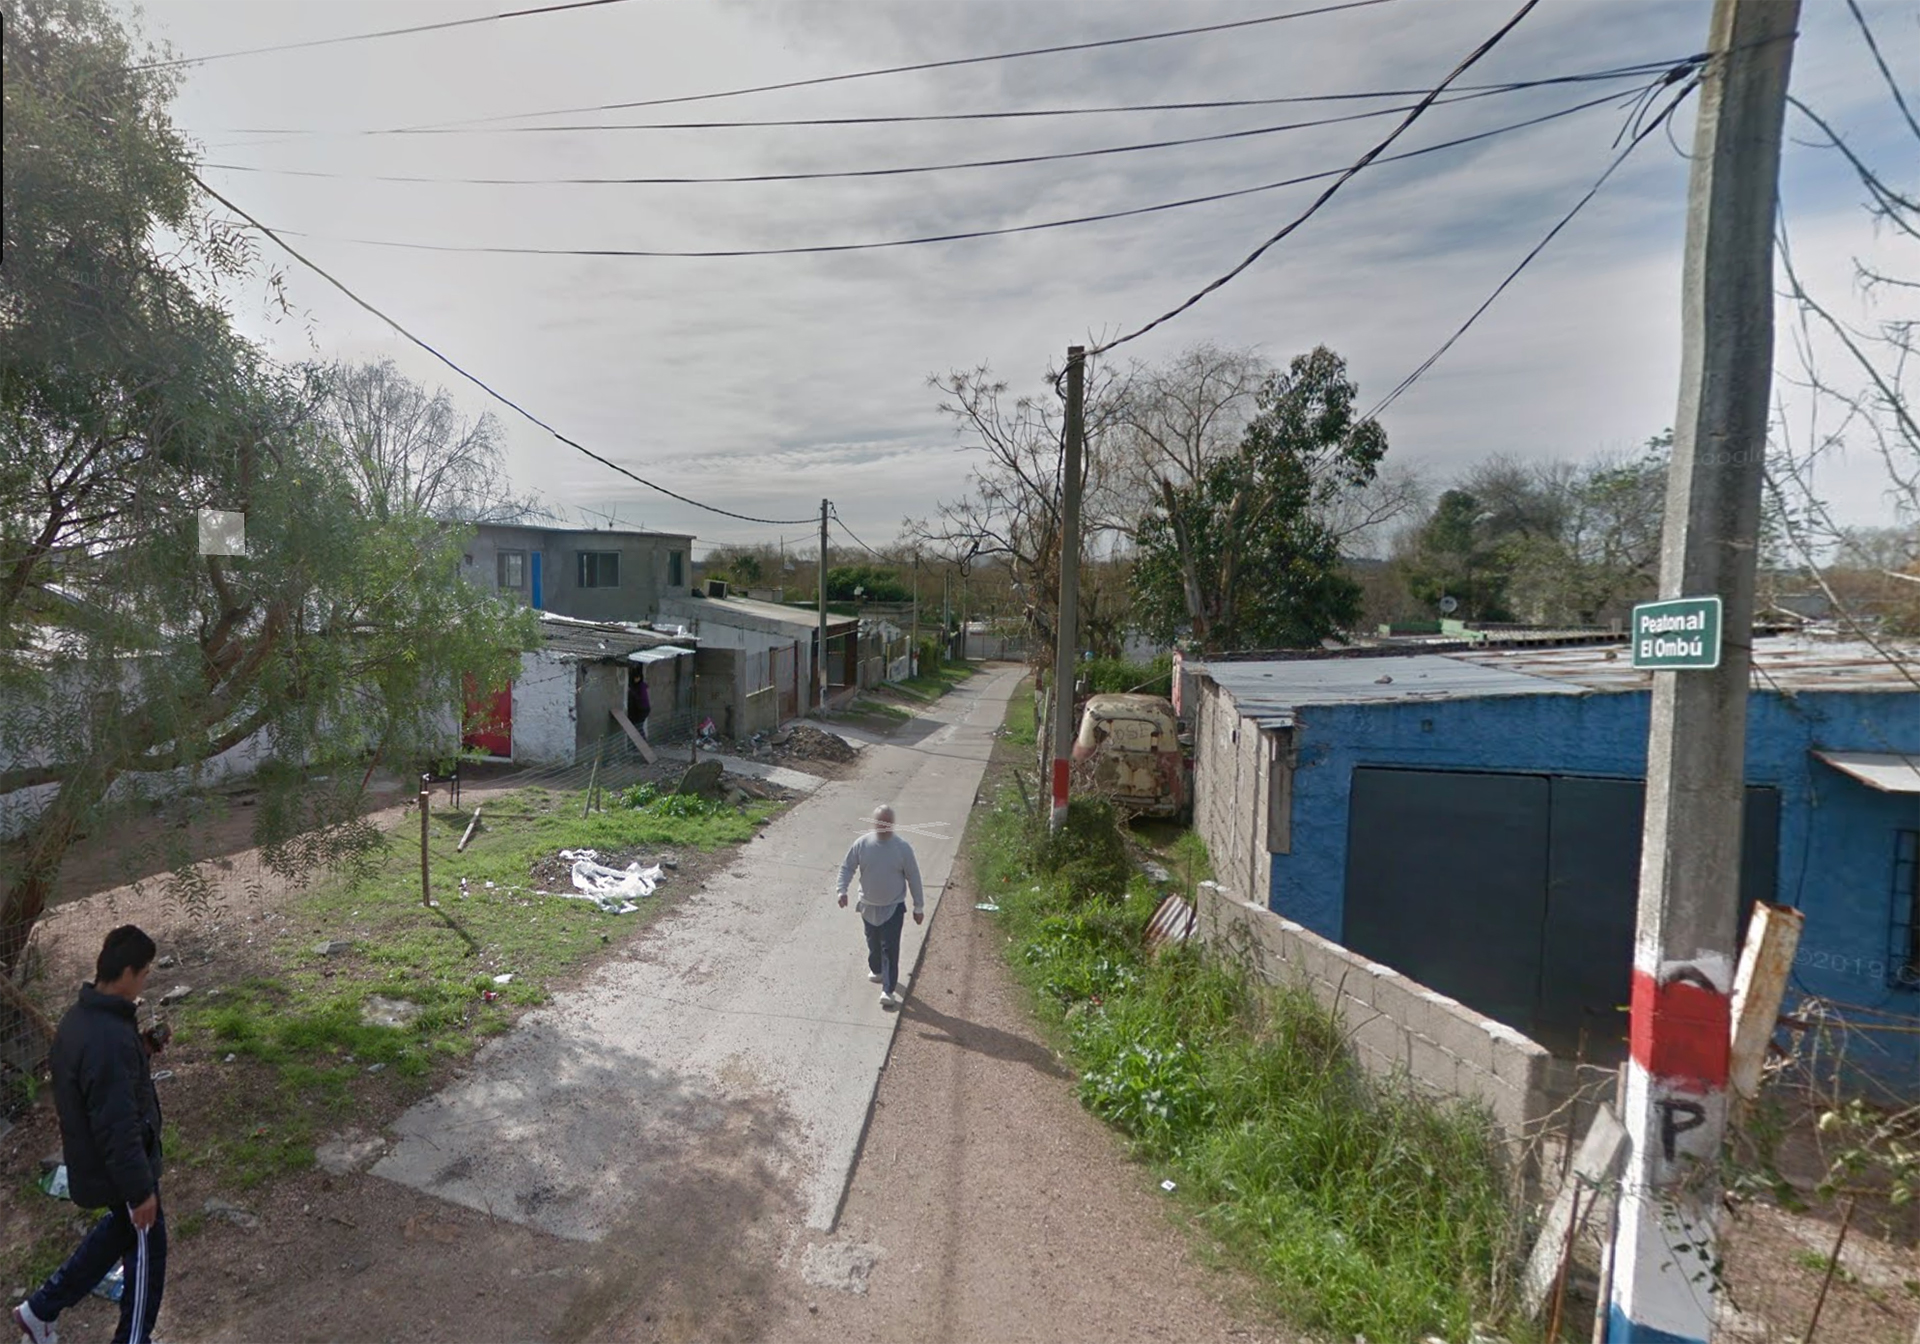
x=308 y=1051
x=1364 y=1207
x=1021 y=727
x=934 y=681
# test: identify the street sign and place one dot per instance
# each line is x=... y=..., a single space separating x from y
x=1680 y=633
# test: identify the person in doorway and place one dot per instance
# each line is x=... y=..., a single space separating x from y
x=887 y=872
x=639 y=700
x=110 y=1135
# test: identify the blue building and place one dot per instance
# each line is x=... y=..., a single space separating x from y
x=1472 y=819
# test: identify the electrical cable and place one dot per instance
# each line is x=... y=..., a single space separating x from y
x=947 y=64
x=1345 y=176
x=1510 y=86
x=496 y=17
x=1420 y=371
x=964 y=234
x=1899 y=98
x=829 y=174
x=504 y=400
x=835 y=514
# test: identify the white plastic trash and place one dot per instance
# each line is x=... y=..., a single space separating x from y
x=612 y=889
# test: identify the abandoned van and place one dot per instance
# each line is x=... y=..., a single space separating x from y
x=1129 y=750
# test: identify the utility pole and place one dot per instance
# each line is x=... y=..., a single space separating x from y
x=1665 y=1284
x=823 y=606
x=1066 y=626
x=946 y=614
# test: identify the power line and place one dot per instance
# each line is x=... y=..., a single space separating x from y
x=1250 y=133
x=1327 y=195
x=368 y=37
x=849 y=531
x=963 y=235
x=1874 y=46
x=1566 y=219
x=1510 y=86
x=948 y=64
x=504 y=400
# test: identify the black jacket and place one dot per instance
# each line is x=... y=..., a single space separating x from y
x=109 y=1111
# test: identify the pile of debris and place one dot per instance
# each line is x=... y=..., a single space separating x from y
x=804 y=742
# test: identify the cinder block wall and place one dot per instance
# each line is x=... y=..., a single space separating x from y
x=1396 y=1025
x=1230 y=790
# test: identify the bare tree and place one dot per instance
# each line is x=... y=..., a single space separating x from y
x=412 y=453
x=1173 y=420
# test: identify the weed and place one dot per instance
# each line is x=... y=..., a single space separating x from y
x=1366 y=1208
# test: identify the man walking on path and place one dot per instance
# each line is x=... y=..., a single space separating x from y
x=110 y=1134
x=887 y=869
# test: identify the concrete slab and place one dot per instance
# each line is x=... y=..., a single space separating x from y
x=741 y=1030
x=786 y=778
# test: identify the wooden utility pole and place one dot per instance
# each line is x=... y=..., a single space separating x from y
x=823 y=606
x=1665 y=1284
x=1066 y=625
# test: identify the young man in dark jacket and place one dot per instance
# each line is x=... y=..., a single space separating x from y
x=110 y=1131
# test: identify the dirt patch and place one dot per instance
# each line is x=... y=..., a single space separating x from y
x=804 y=742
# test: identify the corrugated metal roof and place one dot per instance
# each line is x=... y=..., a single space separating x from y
x=1877 y=770
x=1275 y=689
x=659 y=655
x=568 y=637
x=715 y=609
x=1272 y=689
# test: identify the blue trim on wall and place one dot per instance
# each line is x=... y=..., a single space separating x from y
x=1620 y=1330
x=534 y=572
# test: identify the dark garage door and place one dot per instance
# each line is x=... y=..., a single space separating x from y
x=1516 y=894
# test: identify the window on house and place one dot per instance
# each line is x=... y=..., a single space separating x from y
x=513 y=569
x=1906 y=899
x=599 y=569
x=676 y=568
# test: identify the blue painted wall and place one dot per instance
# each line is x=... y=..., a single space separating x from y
x=1836 y=834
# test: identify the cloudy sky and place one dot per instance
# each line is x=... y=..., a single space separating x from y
x=765 y=383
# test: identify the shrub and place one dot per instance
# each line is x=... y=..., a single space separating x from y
x=1088 y=854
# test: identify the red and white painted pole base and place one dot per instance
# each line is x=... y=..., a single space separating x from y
x=1666 y=1253
x=1059 y=817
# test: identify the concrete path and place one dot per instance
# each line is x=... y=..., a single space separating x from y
x=740 y=1043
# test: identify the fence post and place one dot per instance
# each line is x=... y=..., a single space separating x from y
x=426 y=799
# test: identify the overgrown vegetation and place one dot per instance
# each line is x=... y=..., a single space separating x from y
x=935 y=679
x=1119 y=675
x=309 y=1041
x=1367 y=1209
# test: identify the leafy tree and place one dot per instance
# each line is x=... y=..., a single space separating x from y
x=130 y=659
x=847 y=583
x=1244 y=555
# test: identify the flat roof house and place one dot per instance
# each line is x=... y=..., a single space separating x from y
x=591 y=574
x=1471 y=819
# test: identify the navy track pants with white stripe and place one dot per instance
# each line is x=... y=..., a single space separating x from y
x=144 y=1255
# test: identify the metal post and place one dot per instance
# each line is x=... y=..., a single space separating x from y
x=823 y=606
x=426 y=799
x=1066 y=626
x=1665 y=1285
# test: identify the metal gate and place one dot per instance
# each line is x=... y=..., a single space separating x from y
x=1517 y=894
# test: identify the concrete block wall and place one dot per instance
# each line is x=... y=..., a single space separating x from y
x=1396 y=1026
x=1230 y=782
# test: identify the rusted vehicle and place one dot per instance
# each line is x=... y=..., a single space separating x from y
x=1129 y=749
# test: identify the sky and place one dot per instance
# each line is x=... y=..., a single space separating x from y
x=764 y=384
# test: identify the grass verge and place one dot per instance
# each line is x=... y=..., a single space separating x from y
x=932 y=684
x=306 y=1043
x=1364 y=1207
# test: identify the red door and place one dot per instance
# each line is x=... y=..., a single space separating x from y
x=489 y=721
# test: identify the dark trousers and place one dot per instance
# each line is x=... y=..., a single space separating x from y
x=883 y=947
x=144 y=1256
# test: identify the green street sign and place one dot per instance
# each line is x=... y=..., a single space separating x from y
x=1682 y=632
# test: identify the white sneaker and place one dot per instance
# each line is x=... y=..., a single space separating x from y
x=36 y=1330
x=873 y=978
x=892 y=1000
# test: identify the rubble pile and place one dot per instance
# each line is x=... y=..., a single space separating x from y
x=807 y=743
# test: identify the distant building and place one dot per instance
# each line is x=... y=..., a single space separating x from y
x=1471 y=818
x=587 y=573
x=758 y=660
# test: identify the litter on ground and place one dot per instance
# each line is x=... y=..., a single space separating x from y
x=614 y=890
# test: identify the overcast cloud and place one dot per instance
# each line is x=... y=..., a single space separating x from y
x=764 y=384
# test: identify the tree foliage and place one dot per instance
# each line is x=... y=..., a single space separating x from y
x=869 y=583
x=128 y=404
x=1243 y=555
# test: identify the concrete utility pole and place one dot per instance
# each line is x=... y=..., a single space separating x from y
x=1066 y=626
x=1665 y=1286
x=823 y=605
